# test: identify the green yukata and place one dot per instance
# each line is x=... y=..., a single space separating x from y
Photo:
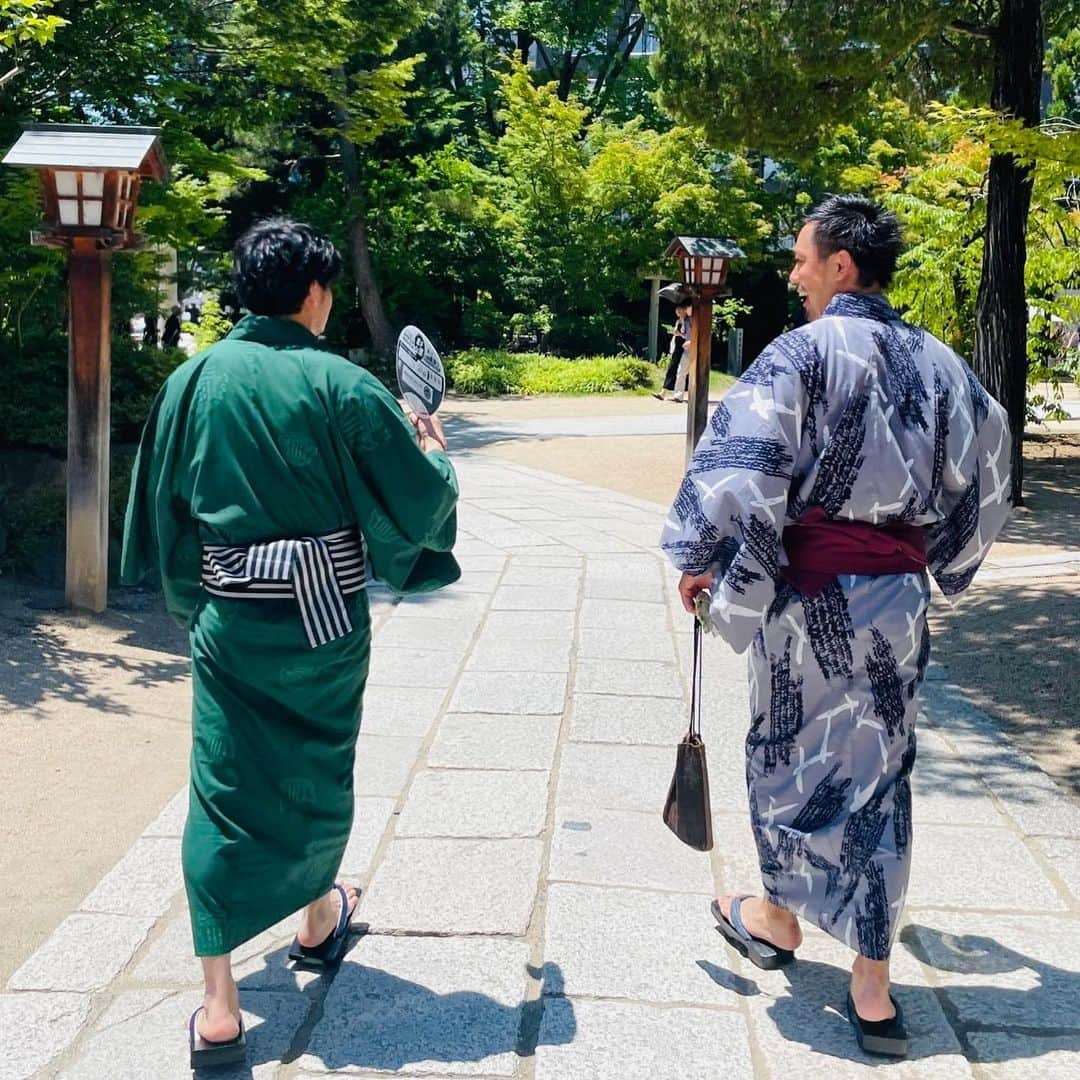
x=267 y=436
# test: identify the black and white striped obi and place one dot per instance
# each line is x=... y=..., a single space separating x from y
x=317 y=571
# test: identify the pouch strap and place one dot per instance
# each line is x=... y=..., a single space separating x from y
x=695 y=684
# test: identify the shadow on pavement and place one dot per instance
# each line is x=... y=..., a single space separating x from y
x=41 y=664
x=1013 y=648
x=1051 y=510
x=381 y=1021
x=1001 y=1023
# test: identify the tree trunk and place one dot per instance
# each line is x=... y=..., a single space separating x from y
x=524 y=44
x=1001 y=316
x=367 y=288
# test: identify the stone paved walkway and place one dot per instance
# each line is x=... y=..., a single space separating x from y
x=528 y=915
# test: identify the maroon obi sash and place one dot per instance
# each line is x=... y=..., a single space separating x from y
x=818 y=549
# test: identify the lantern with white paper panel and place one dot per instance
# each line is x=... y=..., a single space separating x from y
x=90 y=179
x=703 y=263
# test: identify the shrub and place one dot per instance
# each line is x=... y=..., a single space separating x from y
x=34 y=390
x=493 y=371
x=32 y=531
x=32 y=524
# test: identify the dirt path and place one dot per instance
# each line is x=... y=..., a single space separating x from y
x=79 y=748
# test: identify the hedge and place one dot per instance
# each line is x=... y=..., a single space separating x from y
x=493 y=371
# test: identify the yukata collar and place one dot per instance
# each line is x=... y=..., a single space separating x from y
x=274 y=331
x=862 y=306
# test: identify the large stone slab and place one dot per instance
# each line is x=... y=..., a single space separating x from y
x=435 y=635
x=384 y=764
x=530 y=625
x=593 y=542
x=143 y=1034
x=454 y=887
x=395 y=665
x=620 y=719
x=390 y=710
x=628 y=644
x=523 y=693
x=1007 y=971
x=625 y=943
x=535 y=598
x=473 y=803
x=615 y=777
x=1064 y=857
x=608 y=1040
x=492 y=653
x=369 y=823
x=85 y=952
x=420 y=1006
x=566 y=560
x=37 y=1028
x=471 y=548
x=441 y=605
x=480 y=741
x=623 y=614
x=143 y=882
x=558 y=577
x=951 y=867
x=475 y=581
x=484 y=564
x=637 y=677
x=515 y=540
x=610 y=847
x=640 y=587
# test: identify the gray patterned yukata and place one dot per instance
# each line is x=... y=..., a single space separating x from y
x=876 y=421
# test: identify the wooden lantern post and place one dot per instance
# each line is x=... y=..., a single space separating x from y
x=703 y=268
x=90 y=179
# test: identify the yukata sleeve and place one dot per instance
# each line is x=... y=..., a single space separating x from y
x=728 y=515
x=976 y=490
x=405 y=499
x=159 y=532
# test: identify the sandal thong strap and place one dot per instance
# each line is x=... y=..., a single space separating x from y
x=343 y=914
x=735 y=916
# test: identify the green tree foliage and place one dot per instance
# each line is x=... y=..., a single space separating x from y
x=737 y=69
x=1063 y=67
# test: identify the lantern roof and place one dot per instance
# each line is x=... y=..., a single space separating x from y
x=90 y=146
x=708 y=247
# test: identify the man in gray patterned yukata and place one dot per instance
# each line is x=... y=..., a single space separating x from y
x=855 y=454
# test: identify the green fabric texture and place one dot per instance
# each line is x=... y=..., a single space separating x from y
x=267 y=435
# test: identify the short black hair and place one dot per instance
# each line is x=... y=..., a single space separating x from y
x=869 y=233
x=275 y=262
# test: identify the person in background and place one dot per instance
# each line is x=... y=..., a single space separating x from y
x=170 y=336
x=271 y=474
x=150 y=329
x=678 y=369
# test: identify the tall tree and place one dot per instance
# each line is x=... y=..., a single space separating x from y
x=741 y=70
x=329 y=67
x=587 y=45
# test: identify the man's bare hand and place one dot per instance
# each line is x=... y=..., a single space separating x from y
x=429 y=432
x=690 y=586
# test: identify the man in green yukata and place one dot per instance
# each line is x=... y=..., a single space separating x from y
x=272 y=477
